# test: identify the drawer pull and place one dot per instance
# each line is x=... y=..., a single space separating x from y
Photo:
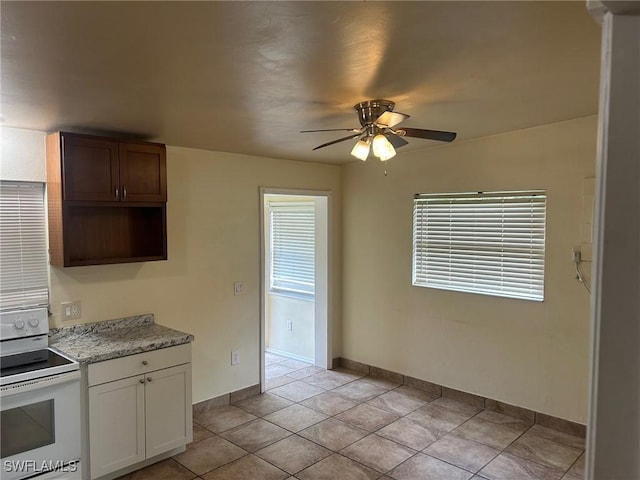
x=149 y=379
x=145 y=363
x=141 y=380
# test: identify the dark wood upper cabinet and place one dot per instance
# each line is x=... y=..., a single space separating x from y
x=106 y=199
x=104 y=169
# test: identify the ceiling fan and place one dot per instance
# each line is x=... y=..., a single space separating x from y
x=378 y=132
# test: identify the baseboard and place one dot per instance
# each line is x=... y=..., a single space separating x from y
x=531 y=416
x=293 y=356
x=137 y=466
x=225 y=399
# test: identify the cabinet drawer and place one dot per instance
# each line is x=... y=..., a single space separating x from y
x=137 y=364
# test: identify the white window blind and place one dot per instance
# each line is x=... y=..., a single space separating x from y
x=488 y=243
x=292 y=228
x=23 y=246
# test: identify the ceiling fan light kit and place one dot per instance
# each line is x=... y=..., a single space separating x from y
x=382 y=148
x=377 y=132
x=361 y=149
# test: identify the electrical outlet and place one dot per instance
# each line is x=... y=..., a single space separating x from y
x=71 y=310
x=235 y=357
x=238 y=288
x=289 y=325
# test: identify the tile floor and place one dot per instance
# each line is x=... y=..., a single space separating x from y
x=314 y=424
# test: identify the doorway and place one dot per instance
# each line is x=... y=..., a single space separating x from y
x=295 y=259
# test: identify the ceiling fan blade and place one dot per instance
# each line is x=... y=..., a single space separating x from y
x=350 y=137
x=396 y=140
x=332 y=130
x=428 y=134
x=391 y=119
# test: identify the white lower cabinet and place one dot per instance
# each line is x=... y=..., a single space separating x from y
x=139 y=417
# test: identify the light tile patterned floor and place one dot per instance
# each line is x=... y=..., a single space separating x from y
x=315 y=425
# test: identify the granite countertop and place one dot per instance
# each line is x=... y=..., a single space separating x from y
x=99 y=341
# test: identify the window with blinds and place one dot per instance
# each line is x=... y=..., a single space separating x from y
x=488 y=243
x=23 y=246
x=292 y=242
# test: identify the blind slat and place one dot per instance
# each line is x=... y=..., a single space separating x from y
x=489 y=243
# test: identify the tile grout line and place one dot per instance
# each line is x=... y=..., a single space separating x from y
x=360 y=402
x=503 y=450
x=337 y=452
x=416 y=452
x=388 y=439
x=575 y=461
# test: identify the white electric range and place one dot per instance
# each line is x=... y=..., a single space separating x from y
x=39 y=402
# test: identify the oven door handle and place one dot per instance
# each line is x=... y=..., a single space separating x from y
x=38 y=383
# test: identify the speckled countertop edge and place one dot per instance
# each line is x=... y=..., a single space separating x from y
x=99 y=341
x=102 y=326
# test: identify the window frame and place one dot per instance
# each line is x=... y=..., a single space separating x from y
x=486 y=251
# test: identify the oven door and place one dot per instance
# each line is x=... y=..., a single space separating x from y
x=40 y=426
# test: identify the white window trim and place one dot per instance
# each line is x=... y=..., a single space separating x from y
x=490 y=243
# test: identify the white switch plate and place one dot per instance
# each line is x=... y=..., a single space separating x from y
x=71 y=310
x=289 y=325
x=238 y=288
x=235 y=357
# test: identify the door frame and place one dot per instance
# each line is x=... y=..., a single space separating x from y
x=323 y=351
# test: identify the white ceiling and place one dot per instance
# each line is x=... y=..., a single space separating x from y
x=245 y=77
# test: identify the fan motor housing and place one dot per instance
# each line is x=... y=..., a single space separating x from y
x=370 y=110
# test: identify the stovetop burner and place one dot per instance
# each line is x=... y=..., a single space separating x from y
x=30 y=361
x=35 y=364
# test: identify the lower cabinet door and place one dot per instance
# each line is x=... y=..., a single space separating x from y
x=168 y=409
x=116 y=425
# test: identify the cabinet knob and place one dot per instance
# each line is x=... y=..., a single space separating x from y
x=145 y=363
x=149 y=379
x=124 y=192
x=117 y=191
x=141 y=380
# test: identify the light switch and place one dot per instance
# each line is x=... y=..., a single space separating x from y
x=238 y=288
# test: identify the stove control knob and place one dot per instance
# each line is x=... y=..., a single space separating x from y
x=19 y=324
x=34 y=322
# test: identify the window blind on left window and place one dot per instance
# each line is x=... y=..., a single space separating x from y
x=23 y=246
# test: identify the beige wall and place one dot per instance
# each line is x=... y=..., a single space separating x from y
x=281 y=309
x=213 y=240
x=525 y=353
x=22 y=155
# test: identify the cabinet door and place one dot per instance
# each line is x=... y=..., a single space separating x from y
x=168 y=409
x=116 y=425
x=89 y=168
x=143 y=172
